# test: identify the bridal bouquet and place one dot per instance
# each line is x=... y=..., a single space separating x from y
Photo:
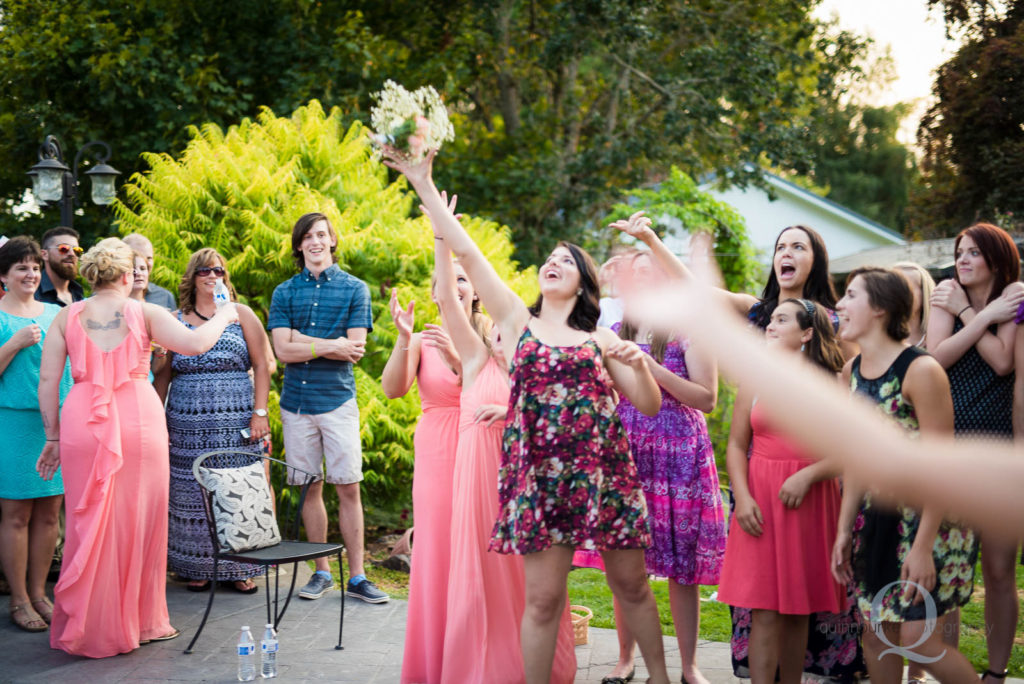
x=412 y=123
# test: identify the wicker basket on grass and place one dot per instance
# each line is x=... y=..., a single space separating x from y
x=581 y=623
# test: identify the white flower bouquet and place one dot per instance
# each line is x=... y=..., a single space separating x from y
x=410 y=122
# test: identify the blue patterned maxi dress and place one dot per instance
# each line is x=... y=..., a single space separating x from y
x=209 y=402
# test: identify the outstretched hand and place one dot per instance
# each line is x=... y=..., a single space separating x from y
x=448 y=203
x=638 y=226
x=417 y=172
x=403 y=318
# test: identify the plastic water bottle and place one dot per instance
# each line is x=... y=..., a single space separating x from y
x=246 y=656
x=221 y=296
x=268 y=653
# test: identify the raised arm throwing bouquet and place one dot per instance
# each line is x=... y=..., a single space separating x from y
x=412 y=123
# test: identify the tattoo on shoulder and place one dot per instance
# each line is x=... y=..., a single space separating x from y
x=96 y=325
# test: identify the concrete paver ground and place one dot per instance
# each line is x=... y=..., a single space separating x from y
x=373 y=642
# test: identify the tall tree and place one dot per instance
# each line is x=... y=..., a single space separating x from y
x=564 y=104
x=137 y=74
x=973 y=137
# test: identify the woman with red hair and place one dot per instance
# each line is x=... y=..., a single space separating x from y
x=971 y=333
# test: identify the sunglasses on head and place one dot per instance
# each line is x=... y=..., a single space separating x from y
x=204 y=271
x=68 y=249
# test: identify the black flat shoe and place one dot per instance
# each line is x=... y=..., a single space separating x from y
x=232 y=584
x=619 y=680
x=205 y=586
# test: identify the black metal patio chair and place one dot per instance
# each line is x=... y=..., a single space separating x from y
x=242 y=519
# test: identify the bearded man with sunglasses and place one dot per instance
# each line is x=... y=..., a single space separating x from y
x=58 y=284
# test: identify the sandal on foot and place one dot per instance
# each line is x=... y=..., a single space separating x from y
x=24 y=617
x=619 y=679
x=44 y=608
x=995 y=675
x=166 y=637
x=248 y=586
x=199 y=586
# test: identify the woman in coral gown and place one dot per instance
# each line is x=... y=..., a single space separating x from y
x=430 y=359
x=486 y=591
x=111 y=441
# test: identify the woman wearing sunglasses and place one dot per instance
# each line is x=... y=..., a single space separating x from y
x=211 y=404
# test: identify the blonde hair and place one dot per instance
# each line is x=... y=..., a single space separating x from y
x=207 y=256
x=927 y=285
x=108 y=260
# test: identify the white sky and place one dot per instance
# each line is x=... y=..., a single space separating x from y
x=916 y=38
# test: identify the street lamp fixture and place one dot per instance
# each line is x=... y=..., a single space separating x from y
x=54 y=183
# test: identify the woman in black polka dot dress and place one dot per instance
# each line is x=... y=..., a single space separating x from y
x=971 y=332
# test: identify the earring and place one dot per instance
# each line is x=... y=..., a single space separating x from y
x=803 y=347
x=579 y=291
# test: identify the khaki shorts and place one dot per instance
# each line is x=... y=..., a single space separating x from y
x=312 y=440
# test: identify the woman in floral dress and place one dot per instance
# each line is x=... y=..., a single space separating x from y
x=566 y=479
x=907 y=565
x=675 y=461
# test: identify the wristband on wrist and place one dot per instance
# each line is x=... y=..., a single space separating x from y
x=962 y=311
x=53 y=440
x=312 y=349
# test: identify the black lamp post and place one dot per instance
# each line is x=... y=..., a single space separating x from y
x=54 y=183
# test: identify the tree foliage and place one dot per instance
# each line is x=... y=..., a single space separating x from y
x=973 y=136
x=241 y=190
x=558 y=104
x=137 y=74
x=677 y=204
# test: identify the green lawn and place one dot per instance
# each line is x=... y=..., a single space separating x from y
x=588 y=587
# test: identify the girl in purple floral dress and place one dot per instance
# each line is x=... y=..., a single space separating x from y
x=567 y=479
x=676 y=464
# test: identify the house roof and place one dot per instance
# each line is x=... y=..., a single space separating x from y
x=864 y=222
x=934 y=255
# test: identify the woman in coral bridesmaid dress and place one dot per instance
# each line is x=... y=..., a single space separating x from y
x=430 y=360
x=110 y=439
x=486 y=590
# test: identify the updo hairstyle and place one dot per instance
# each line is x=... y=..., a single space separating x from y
x=108 y=260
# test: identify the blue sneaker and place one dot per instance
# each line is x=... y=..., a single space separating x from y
x=316 y=586
x=367 y=591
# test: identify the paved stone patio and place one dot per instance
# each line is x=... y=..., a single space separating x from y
x=374 y=636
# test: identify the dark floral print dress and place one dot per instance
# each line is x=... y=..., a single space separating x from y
x=566 y=473
x=882 y=536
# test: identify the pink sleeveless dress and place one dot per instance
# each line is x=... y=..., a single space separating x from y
x=487 y=590
x=113 y=450
x=437 y=433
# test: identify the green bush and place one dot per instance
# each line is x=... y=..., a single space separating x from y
x=241 y=191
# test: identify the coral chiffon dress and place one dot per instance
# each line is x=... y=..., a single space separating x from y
x=437 y=434
x=486 y=589
x=113 y=452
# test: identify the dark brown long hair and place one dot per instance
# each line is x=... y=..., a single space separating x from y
x=818 y=288
x=999 y=252
x=302 y=226
x=889 y=291
x=823 y=348
x=587 y=309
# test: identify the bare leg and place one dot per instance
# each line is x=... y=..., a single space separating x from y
x=314 y=518
x=1001 y=611
x=627 y=578
x=42 y=540
x=883 y=669
x=792 y=647
x=949 y=627
x=546 y=580
x=627 y=644
x=350 y=520
x=684 y=600
x=15 y=515
x=951 y=665
x=763 y=648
